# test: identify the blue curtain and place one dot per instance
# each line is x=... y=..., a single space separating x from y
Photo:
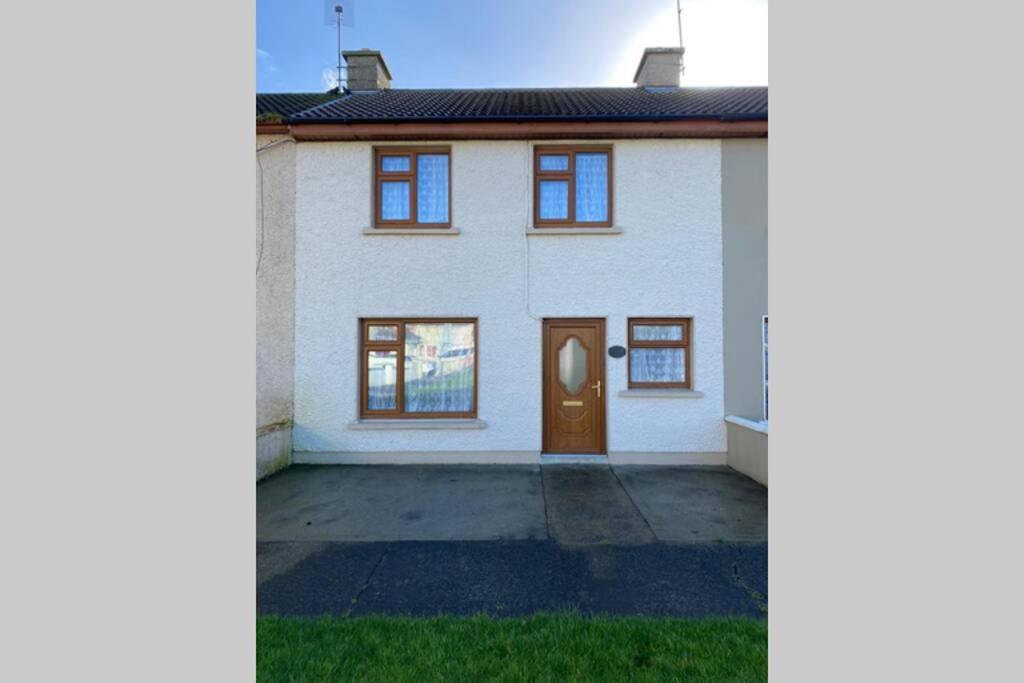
x=554 y=199
x=554 y=162
x=392 y=164
x=395 y=200
x=591 y=187
x=432 y=188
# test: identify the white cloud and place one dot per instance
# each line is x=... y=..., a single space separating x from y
x=330 y=78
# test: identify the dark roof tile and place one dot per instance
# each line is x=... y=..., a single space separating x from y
x=555 y=104
x=288 y=103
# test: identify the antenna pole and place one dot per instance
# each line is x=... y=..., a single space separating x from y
x=337 y=12
x=679 y=21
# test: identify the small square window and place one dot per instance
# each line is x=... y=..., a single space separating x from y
x=554 y=162
x=659 y=352
x=382 y=332
x=390 y=164
x=658 y=332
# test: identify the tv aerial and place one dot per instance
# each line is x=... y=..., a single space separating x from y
x=339 y=13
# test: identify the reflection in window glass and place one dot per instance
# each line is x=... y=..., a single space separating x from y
x=572 y=365
x=383 y=333
x=439 y=360
x=382 y=380
x=657 y=365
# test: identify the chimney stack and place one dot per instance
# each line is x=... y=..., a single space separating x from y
x=367 y=70
x=659 y=68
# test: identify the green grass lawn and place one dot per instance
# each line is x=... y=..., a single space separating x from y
x=536 y=648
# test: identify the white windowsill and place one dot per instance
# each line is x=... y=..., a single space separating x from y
x=386 y=424
x=756 y=425
x=412 y=231
x=660 y=393
x=551 y=232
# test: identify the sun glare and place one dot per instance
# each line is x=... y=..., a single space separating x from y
x=726 y=42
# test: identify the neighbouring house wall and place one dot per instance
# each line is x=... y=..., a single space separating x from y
x=275 y=302
x=748 y=451
x=667 y=261
x=745 y=246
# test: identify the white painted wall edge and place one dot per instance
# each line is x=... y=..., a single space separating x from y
x=377 y=425
x=554 y=232
x=676 y=459
x=493 y=458
x=417 y=458
x=660 y=393
x=756 y=425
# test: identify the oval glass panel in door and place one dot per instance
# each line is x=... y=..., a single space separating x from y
x=572 y=365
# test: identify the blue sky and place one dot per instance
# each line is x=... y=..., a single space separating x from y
x=512 y=43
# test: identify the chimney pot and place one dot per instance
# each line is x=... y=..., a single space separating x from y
x=659 y=68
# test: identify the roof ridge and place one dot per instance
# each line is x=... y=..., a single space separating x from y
x=323 y=104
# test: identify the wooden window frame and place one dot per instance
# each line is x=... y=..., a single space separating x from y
x=684 y=343
x=380 y=176
x=569 y=175
x=399 y=345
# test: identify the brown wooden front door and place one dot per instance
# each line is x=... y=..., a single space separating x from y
x=574 y=386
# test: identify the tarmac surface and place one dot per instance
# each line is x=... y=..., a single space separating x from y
x=511 y=540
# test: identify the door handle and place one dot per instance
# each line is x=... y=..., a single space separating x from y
x=598 y=387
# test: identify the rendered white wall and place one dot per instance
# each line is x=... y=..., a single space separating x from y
x=275 y=297
x=668 y=261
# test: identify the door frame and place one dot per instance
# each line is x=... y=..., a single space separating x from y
x=545 y=378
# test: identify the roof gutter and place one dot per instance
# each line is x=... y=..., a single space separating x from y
x=529 y=130
x=271 y=129
x=561 y=118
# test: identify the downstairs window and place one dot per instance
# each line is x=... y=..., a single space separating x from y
x=659 y=352
x=418 y=368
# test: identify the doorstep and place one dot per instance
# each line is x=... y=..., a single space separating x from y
x=573 y=459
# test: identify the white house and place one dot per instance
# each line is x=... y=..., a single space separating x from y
x=511 y=276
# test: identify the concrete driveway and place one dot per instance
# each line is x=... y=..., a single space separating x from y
x=511 y=540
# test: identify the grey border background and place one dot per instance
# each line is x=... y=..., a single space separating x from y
x=894 y=296
x=127 y=499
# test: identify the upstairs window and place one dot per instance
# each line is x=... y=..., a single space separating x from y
x=659 y=352
x=412 y=187
x=572 y=186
